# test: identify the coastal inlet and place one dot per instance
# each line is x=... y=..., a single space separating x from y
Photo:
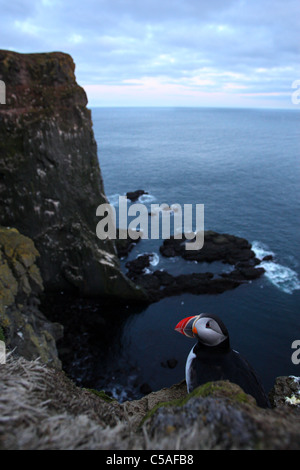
x=99 y=348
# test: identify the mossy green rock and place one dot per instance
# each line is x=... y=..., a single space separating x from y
x=101 y=394
x=50 y=179
x=21 y=323
x=219 y=389
x=219 y=415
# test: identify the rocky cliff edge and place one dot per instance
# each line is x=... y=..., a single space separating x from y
x=40 y=408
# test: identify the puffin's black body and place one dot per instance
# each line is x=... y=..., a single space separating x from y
x=219 y=363
x=212 y=358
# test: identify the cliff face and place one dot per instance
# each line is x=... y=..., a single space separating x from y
x=50 y=180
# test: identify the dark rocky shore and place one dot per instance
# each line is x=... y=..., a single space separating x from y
x=228 y=249
x=42 y=409
x=50 y=187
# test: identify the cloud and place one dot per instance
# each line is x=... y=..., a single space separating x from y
x=191 y=46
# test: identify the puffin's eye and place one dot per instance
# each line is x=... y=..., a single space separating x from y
x=207 y=325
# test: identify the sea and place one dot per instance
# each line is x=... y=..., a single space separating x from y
x=243 y=165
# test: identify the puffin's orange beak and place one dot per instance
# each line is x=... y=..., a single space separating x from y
x=185 y=326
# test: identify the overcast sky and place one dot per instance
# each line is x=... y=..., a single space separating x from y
x=166 y=52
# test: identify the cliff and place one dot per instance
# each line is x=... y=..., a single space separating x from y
x=50 y=180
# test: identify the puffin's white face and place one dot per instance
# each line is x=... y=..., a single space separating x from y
x=208 y=331
x=207 y=328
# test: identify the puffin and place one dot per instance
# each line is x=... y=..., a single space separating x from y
x=212 y=358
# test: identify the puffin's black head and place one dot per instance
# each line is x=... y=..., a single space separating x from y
x=206 y=327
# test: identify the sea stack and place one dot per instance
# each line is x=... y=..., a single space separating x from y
x=50 y=179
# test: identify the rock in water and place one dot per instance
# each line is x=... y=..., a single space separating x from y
x=50 y=180
x=134 y=195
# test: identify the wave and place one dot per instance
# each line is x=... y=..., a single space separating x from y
x=283 y=277
x=113 y=199
x=146 y=198
x=155 y=260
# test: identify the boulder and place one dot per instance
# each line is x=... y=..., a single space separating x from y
x=138 y=266
x=286 y=392
x=125 y=245
x=217 y=247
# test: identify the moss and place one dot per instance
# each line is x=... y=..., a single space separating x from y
x=2 y=337
x=8 y=285
x=17 y=262
x=220 y=389
x=101 y=394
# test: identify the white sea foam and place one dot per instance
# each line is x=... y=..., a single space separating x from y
x=146 y=199
x=155 y=259
x=283 y=277
x=113 y=199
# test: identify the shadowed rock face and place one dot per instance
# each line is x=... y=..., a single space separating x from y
x=50 y=180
